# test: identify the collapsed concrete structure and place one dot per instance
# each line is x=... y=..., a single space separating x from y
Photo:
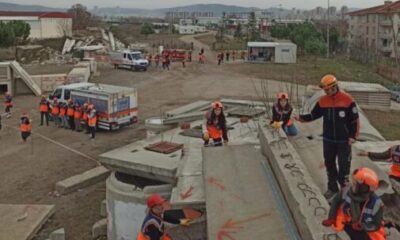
x=260 y=179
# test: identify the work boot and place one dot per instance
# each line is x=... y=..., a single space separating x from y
x=329 y=195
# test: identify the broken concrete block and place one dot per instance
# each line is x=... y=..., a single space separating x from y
x=103 y=208
x=85 y=179
x=99 y=229
x=58 y=234
x=301 y=193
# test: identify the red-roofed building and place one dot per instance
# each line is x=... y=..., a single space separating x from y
x=375 y=28
x=43 y=24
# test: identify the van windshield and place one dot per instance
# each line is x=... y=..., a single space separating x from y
x=136 y=56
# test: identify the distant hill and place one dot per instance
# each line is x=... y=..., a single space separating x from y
x=27 y=8
x=216 y=9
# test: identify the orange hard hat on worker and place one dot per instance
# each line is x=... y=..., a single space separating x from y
x=328 y=81
x=217 y=104
x=283 y=95
x=155 y=200
x=366 y=176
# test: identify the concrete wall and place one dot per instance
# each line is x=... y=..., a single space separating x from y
x=56 y=27
x=50 y=81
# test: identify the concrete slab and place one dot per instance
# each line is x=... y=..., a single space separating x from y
x=189 y=192
x=103 y=208
x=240 y=202
x=192 y=107
x=302 y=195
x=21 y=222
x=58 y=234
x=85 y=179
x=135 y=160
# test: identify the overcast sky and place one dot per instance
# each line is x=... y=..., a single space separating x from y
x=308 y=4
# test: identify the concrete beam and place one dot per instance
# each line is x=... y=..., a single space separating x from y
x=83 y=180
x=58 y=234
x=302 y=195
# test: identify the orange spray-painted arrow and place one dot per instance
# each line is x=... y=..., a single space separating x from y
x=222 y=234
x=216 y=182
x=236 y=224
x=187 y=194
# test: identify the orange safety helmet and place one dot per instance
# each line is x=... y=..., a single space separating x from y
x=366 y=176
x=283 y=95
x=217 y=104
x=90 y=106
x=155 y=200
x=328 y=81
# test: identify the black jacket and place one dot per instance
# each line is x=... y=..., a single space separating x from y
x=340 y=115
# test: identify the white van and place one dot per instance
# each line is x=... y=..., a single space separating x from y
x=127 y=59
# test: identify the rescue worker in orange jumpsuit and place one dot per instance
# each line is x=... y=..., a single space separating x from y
x=70 y=114
x=77 y=117
x=55 y=112
x=357 y=210
x=85 y=117
x=184 y=60
x=63 y=115
x=8 y=104
x=44 y=107
x=214 y=125
x=340 y=130
x=157 y=60
x=281 y=112
x=153 y=225
x=25 y=126
x=92 y=120
x=390 y=155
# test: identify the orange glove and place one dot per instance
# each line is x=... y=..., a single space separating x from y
x=328 y=222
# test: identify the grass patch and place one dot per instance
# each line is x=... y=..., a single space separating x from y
x=387 y=123
x=309 y=70
x=228 y=43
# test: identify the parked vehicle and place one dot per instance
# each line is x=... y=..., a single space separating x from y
x=116 y=106
x=127 y=59
x=395 y=93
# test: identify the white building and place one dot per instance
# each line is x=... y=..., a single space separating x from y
x=276 y=52
x=43 y=24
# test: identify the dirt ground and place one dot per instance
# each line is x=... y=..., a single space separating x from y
x=30 y=170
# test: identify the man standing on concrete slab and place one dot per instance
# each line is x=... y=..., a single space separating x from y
x=340 y=130
x=44 y=107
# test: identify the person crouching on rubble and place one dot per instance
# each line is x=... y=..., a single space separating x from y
x=214 y=125
x=357 y=210
x=281 y=114
x=390 y=155
x=153 y=227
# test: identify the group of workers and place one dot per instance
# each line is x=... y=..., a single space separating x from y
x=355 y=207
x=65 y=115
x=69 y=115
x=226 y=55
x=165 y=58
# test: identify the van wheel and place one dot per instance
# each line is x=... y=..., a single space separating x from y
x=115 y=66
x=133 y=68
x=145 y=69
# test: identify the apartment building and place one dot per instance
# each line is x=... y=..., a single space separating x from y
x=376 y=28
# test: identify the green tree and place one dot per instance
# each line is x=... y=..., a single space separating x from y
x=81 y=18
x=21 y=30
x=146 y=29
x=252 y=31
x=238 y=32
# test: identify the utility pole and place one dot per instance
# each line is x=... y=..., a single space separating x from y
x=327 y=32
